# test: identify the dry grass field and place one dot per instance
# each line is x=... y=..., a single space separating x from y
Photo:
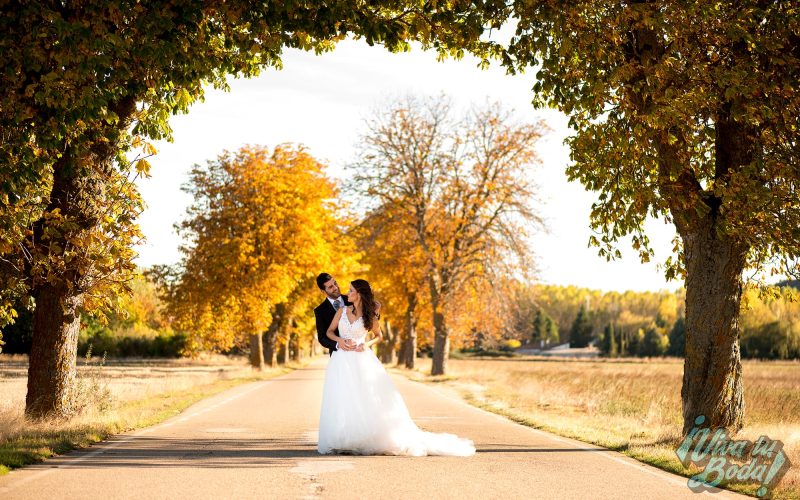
x=630 y=405
x=120 y=395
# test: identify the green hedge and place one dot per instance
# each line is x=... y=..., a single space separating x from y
x=161 y=345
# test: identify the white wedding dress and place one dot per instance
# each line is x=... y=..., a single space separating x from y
x=362 y=412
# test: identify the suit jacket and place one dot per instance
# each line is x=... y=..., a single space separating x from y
x=324 y=314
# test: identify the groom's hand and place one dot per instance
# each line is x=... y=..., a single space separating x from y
x=360 y=348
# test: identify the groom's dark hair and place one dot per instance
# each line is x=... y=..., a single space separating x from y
x=322 y=279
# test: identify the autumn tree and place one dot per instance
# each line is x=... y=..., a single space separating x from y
x=86 y=82
x=463 y=189
x=397 y=274
x=771 y=325
x=609 y=344
x=259 y=226
x=654 y=342
x=481 y=311
x=523 y=309
x=544 y=329
x=687 y=112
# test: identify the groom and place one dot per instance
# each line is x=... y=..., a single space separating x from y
x=324 y=313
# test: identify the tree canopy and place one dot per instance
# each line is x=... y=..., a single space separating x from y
x=687 y=112
x=680 y=111
x=459 y=189
x=261 y=223
x=86 y=82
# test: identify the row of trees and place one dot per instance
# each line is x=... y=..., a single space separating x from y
x=684 y=112
x=619 y=324
x=262 y=225
x=444 y=206
x=84 y=86
x=448 y=209
x=444 y=200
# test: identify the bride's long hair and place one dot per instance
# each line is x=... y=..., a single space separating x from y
x=367 y=302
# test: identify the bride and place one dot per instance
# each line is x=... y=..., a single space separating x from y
x=362 y=412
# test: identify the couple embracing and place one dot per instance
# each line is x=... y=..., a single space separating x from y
x=362 y=411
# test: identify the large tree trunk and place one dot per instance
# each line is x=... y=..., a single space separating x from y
x=441 y=338
x=271 y=348
x=283 y=351
x=410 y=358
x=441 y=344
x=295 y=347
x=410 y=347
x=56 y=319
x=285 y=333
x=52 y=368
x=401 y=351
x=80 y=177
x=256 y=351
x=387 y=347
x=715 y=261
x=271 y=336
x=712 y=373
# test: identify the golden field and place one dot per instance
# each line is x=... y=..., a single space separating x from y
x=630 y=405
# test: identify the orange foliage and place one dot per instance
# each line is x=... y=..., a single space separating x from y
x=262 y=223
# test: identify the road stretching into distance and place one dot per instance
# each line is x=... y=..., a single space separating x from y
x=258 y=440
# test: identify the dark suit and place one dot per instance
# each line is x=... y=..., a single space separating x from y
x=324 y=314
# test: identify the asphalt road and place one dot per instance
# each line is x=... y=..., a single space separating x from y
x=259 y=441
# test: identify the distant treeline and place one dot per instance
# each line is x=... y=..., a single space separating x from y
x=649 y=323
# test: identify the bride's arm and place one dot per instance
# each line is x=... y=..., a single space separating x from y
x=331 y=333
x=376 y=330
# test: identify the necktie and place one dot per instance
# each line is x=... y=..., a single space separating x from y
x=337 y=304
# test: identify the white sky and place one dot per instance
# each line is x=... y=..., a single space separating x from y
x=322 y=101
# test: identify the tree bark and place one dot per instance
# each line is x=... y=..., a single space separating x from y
x=410 y=359
x=271 y=336
x=283 y=352
x=56 y=318
x=401 y=351
x=312 y=347
x=285 y=336
x=389 y=343
x=256 y=351
x=715 y=261
x=52 y=369
x=712 y=373
x=410 y=347
x=441 y=345
x=270 y=348
x=294 y=342
x=441 y=339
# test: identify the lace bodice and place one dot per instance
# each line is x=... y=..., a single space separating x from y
x=354 y=330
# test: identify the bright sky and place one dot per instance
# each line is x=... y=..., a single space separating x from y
x=322 y=101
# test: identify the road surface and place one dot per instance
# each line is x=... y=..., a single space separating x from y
x=258 y=440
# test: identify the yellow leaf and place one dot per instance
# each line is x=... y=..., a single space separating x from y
x=143 y=167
